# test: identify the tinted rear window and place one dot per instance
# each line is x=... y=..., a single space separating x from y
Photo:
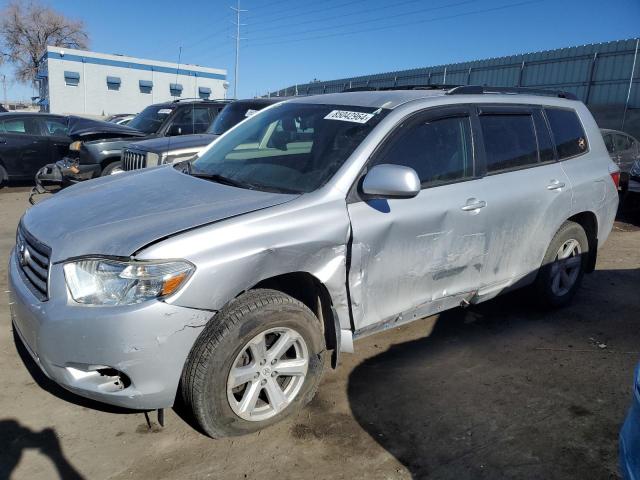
x=509 y=140
x=567 y=132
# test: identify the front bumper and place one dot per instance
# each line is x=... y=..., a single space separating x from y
x=148 y=342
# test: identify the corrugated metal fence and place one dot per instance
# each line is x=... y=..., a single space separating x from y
x=606 y=76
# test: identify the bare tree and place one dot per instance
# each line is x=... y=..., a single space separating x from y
x=26 y=28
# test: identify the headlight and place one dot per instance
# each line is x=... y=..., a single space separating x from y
x=152 y=159
x=101 y=281
x=635 y=169
x=178 y=157
x=75 y=146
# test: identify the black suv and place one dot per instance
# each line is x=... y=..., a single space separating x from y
x=181 y=117
x=157 y=151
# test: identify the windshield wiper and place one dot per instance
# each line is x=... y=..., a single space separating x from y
x=216 y=177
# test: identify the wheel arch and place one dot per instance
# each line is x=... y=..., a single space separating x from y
x=106 y=161
x=308 y=289
x=589 y=221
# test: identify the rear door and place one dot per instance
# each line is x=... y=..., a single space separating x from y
x=24 y=147
x=528 y=194
x=414 y=257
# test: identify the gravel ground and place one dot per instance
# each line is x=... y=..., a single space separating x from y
x=500 y=390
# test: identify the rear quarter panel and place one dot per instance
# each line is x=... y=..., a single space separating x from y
x=590 y=175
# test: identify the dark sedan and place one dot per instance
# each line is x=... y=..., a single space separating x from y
x=28 y=141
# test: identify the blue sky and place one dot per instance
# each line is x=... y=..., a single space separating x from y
x=290 y=42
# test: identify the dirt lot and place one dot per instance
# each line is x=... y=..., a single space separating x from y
x=501 y=390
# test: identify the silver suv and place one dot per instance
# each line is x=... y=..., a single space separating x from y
x=230 y=279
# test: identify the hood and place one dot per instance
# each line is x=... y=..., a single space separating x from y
x=168 y=144
x=88 y=129
x=121 y=214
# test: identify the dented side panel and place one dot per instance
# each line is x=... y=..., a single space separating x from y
x=234 y=256
x=409 y=255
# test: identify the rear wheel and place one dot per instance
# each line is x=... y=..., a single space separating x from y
x=258 y=361
x=563 y=266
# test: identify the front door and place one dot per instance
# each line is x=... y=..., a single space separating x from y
x=56 y=130
x=413 y=257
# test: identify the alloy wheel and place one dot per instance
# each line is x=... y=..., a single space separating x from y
x=267 y=374
x=566 y=267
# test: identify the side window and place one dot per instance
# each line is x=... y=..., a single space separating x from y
x=438 y=150
x=545 y=145
x=509 y=141
x=192 y=120
x=55 y=128
x=25 y=126
x=608 y=141
x=567 y=132
x=622 y=142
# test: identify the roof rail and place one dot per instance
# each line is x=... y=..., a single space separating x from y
x=192 y=99
x=479 y=89
x=400 y=87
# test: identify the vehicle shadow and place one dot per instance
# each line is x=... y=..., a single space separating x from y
x=505 y=390
x=15 y=439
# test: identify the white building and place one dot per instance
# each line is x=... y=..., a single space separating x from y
x=81 y=82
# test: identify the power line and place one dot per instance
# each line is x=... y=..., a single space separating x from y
x=310 y=12
x=373 y=20
x=271 y=4
x=404 y=24
x=386 y=17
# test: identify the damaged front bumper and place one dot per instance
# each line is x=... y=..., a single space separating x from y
x=129 y=356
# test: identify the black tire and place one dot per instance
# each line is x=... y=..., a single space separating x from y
x=108 y=170
x=545 y=294
x=204 y=378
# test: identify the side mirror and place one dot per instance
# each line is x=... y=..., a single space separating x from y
x=175 y=130
x=391 y=181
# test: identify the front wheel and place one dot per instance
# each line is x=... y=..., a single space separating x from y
x=563 y=266
x=259 y=360
x=112 y=169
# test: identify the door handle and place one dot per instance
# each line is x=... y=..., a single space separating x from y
x=555 y=185
x=473 y=204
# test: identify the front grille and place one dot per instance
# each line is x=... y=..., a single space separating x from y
x=133 y=160
x=33 y=262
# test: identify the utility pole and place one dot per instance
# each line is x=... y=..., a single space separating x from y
x=238 y=10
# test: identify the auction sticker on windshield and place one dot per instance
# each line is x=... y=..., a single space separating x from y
x=250 y=113
x=346 y=116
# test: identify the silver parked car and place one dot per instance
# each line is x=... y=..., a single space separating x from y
x=624 y=151
x=230 y=279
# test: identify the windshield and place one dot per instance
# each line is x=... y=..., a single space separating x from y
x=233 y=114
x=292 y=147
x=150 y=119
